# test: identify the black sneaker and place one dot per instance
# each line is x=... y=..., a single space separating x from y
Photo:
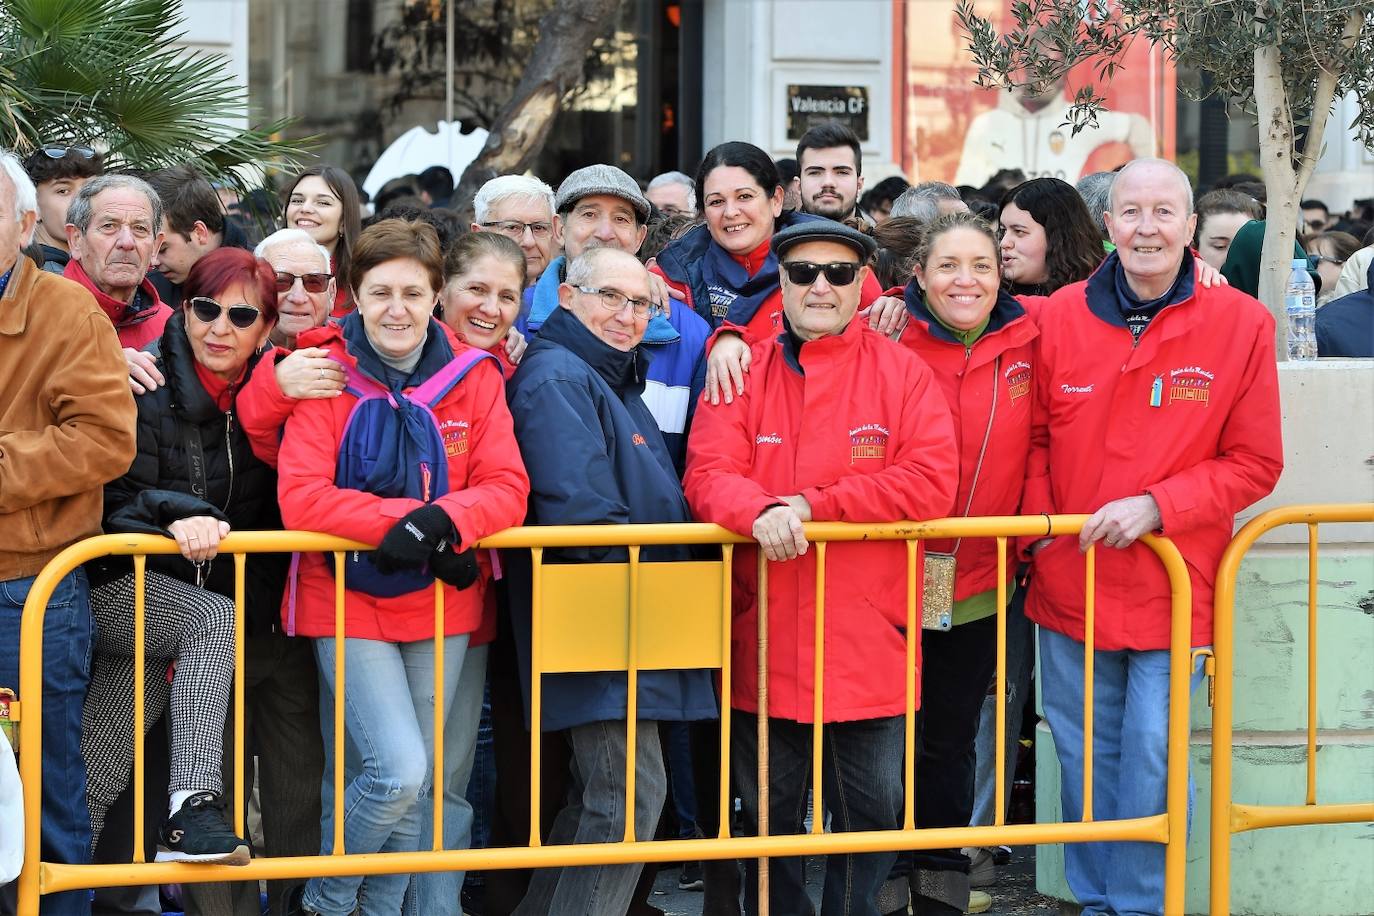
x=198 y=833
x=690 y=879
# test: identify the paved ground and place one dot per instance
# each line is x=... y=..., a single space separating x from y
x=1014 y=894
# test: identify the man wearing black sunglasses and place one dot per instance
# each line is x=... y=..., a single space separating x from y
x=58 y=172
x=837 y=423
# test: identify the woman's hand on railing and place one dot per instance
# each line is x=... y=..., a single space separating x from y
x=1120 y=522
x=198 y=537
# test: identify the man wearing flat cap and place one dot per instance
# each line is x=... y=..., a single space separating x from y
x=836 y=423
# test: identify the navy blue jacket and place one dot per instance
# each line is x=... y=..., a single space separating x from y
x=676 y=374
x=594 y=457
x=1345 y=326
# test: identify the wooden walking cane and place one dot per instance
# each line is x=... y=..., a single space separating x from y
x=762 y=760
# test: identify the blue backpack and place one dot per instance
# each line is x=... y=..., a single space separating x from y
x=393 y=448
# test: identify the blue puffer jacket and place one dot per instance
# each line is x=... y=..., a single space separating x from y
x=676 y=374
x=594 y=457
x=1345 y=326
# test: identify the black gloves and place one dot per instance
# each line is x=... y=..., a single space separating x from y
x=411 y=541
x=456 y=569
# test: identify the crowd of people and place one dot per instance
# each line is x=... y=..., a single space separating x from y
x=732 y=347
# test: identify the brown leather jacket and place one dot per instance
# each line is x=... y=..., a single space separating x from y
x=66 y=417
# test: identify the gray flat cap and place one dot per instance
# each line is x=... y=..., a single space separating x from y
x=823 y=230
x=601 y=179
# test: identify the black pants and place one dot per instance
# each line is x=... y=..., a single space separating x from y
x=281 y=728
x=956 y=667
x=861 y=769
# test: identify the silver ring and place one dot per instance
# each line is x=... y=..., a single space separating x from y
x=321 y=374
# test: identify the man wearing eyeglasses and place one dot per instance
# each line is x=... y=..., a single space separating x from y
x=837 y=423
x=520 y=207
x=66 y=429
x=595 y=456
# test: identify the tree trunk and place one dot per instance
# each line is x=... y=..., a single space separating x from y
x=1286 y=171
x=566 y=34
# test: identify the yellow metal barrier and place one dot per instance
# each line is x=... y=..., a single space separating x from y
x=576 y=609
x=1229 y=818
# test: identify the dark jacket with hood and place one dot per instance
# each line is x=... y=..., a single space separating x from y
x=595 y=457
x=1345 y=326
x=174 y=422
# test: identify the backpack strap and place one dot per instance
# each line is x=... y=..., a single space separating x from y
x=361 y=386
x=433 y=389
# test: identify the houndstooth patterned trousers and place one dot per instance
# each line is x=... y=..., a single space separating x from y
x=185 y=624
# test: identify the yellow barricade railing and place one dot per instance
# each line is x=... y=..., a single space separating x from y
x=646 y=602
x=1228 y=817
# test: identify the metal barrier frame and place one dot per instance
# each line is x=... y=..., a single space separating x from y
x=1168 y=828
x=1228 y=817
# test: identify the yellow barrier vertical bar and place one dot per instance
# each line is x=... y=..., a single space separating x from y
x=1180 y=673
x=761 y=758
x=339 y=725
x=726 y=648
x=817 y=698
x=632 y=695
x=437 y=786
x=1000 y=765
x=140 y=569
x=1089 y=642
x=1312 y=663
x=31 y=736
x=913 y=634
x=240 y=561
x=536 y=684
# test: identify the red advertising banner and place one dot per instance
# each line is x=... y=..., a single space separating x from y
x=956 y=132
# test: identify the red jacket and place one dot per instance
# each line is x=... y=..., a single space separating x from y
x=999 y=365
x=1211 y=446
x=136 y=327
x=488 y=492
x=865 y=436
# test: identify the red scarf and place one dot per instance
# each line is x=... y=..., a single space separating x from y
x=111 y=306
x=753 y=261
x=221 y=391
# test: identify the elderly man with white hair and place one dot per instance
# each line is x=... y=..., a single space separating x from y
x=68 y=429
x=674 y=193
x=281 y=723
x=1158 y=411
x=521 y=208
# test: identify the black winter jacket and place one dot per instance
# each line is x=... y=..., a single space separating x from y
x=158 y=489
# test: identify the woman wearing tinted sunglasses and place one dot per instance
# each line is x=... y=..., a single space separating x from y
x=195 y=478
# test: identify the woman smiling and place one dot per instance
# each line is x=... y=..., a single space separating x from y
x=323 y=201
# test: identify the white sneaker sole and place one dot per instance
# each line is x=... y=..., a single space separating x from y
x=240 y=856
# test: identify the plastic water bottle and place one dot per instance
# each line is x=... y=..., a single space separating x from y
x=1300 y=299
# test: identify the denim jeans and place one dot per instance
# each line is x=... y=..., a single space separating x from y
x=1130 y=763
x=66 y=823
x=439 y=891
x=1020 y=659
x=595 y=813
x=389 y=714
x=862 y=774
x=677 y=748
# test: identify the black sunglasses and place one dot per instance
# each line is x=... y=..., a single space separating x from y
x=54 y=151
x=241 y=316
x=313 y=283
x=837 y=273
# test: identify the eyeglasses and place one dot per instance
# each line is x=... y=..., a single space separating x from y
x=54 y=151
x=313 y=283
x=241 y=316
x=614 y=300
x=838 y=273
x=516 y=229
x=1321 y=258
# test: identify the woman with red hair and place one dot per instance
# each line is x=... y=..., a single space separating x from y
x=194 y=479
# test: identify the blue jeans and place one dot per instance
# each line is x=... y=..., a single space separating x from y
x=389 y=716
x=595 y=813
x=862 y=773
x=1020 y=657
x=677 y=748
x=1130 y=764
x=66 y=823
x=439 y=891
